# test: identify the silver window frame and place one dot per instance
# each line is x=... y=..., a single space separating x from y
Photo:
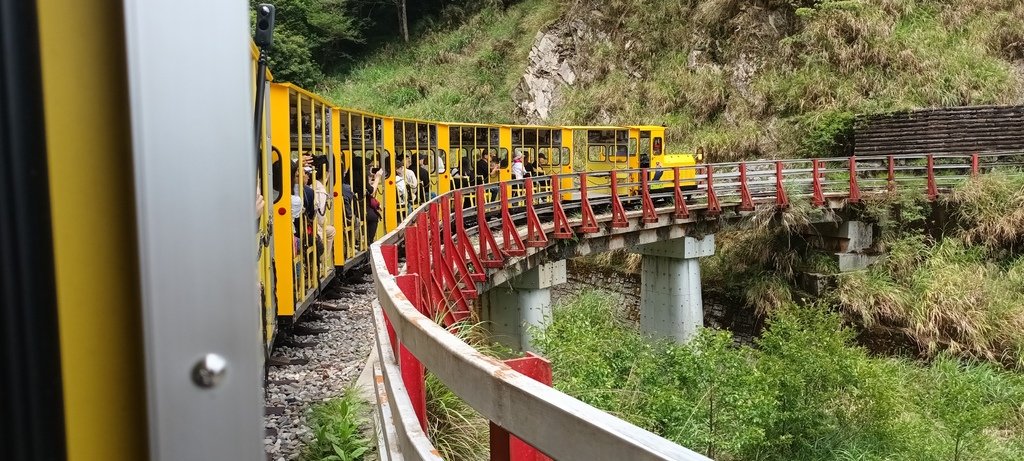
x=191 y=114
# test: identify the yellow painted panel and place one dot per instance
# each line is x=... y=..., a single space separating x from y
x=87 y=138
x=387 y=185
x=445 y=181
x=281 y=209
x=339 y=172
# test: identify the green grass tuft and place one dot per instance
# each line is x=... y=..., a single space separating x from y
x=340 y=429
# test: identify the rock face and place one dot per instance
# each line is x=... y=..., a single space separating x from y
x=553 y=65
x=548 y=70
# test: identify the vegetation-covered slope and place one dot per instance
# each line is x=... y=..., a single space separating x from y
x=745 y=79
x=804 y=393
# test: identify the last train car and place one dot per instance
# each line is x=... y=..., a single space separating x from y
x=127 y=237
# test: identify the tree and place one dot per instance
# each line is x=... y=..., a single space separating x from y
x=403 y=19
x=311 y=36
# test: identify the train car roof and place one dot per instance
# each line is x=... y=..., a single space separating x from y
x=477 y=125
x=543 y=127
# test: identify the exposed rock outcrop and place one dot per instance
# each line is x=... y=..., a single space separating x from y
x=553 y=65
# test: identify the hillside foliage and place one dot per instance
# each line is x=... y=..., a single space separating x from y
x=773 y=78
x=804 y=392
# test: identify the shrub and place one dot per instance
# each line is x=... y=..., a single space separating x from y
x=991 y=207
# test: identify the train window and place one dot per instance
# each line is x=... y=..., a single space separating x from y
x=621 y=136
x=457 y=154
x=621 y=152
x=441 y=164
x=645 y=152
x=276 y=174
x=384 y=160
x=596 y=154
x=530 y=137
x=529 y=156
x=657 y=146
x=544 y=137
x=343 y=167
x=502 y=157
x=566 y=156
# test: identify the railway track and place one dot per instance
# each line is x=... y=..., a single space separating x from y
x=313 y=361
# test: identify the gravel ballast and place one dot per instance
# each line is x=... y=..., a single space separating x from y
x=335 y=359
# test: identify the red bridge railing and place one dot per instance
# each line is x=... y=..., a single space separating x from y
x=453 y=244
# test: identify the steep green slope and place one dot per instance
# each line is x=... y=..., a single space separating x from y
x=460 y=73
x=768 y=78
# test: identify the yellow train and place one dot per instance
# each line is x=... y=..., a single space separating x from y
x=149 y=209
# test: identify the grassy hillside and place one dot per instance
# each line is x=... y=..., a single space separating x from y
x=770 y=78
x=463 y=72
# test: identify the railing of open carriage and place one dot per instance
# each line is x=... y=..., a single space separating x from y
x=455 y=242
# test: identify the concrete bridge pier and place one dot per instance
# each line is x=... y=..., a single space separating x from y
x=850 y=241
x=510 y=310
x=671 y=305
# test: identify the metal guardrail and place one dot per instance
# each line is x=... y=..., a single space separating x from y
x=445 y=267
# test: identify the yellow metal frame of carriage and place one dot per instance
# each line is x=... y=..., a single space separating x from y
x=358 y=139
x=268 y=296
x=554 y=142
x=301 y=275
x=465 y=143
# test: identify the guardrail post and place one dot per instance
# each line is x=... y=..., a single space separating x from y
x=464 y=248
x=430 y=282
x=933 y=190
x=677 y=196
x=490 y=256
x=746 y=202
x=390 y=255
x=588 y=220
x=781 y=200
x=854 y=188
x=412 y=249
x=818 y=197
x=618 y=212
x=650 y=215
x=511 y=243
x=974 y=164
x=411 y=368
x=505 y=446
x=534 y=231
x=713 y=206
x=452 y=301
x=562 y=228
x=453 y=253
x=891 y=183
